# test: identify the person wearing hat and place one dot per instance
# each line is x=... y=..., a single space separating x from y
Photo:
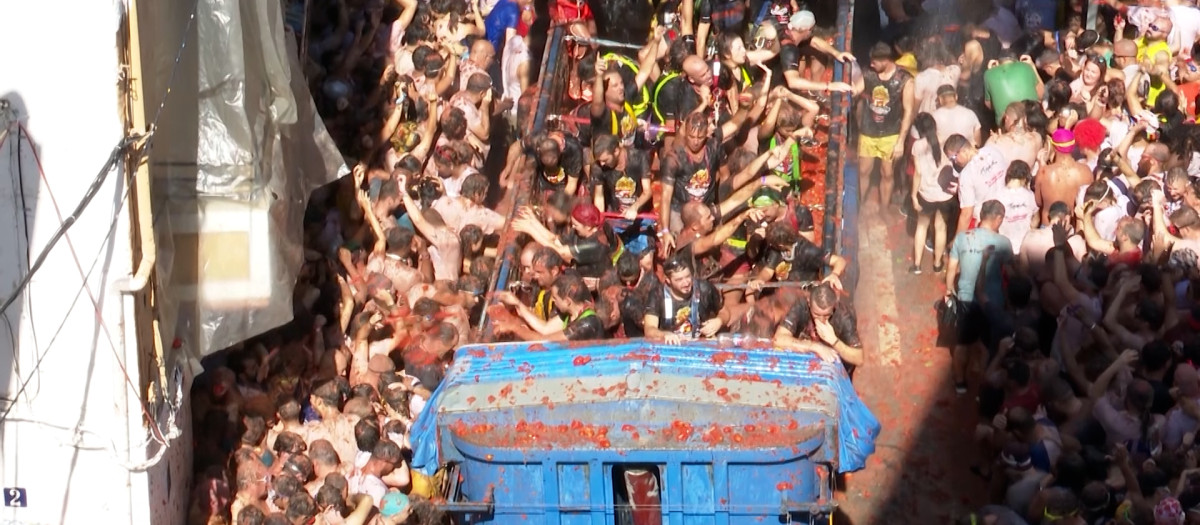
x=395 y=508
x=797 y=33
x=586 y=244
x=955 y=119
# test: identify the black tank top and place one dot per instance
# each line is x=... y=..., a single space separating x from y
x=885 y=103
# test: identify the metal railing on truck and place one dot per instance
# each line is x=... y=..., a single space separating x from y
x=553 y=77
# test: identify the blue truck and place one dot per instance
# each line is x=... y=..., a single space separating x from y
x=638 y=432
x=716 y=432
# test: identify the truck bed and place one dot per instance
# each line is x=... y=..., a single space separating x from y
x=733 y=429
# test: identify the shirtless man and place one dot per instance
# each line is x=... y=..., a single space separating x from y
x=334 y=426
x=445 y=250
x=392 y=264
x=1061 y=179
x=1032 y=258
x=251 y=490
x=1017 y=142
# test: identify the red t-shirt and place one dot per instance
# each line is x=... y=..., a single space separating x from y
x=1127 y=258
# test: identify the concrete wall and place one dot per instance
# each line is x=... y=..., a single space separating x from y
x=72 y=432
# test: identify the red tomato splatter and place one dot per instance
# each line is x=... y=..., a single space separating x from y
x=720 y=358
x=582 y=360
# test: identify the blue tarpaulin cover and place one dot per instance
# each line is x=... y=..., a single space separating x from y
x=475 y=365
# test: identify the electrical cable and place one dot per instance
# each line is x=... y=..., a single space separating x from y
x=69 y=221
x=157 y=433
x=24 y=204
x=71 y=307
x=6 y=117
x=24 y=215
x=95 y=302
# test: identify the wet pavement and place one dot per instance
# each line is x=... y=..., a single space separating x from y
x=920 y=470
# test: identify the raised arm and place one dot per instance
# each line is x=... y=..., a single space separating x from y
x=648 y=57
x=597 y=105
x=414 y=212
x=364 y=202
x=545 y=327
x=1086 y=214
x=1111 y=321
x=1163 y=240
x=820 y=44
x=724 y=231
x=1122 y=151
x=770 y=159
x=1061 y=280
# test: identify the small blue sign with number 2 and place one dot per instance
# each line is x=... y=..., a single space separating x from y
x=14 y=497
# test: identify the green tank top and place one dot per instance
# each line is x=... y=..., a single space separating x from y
x=1008 y=83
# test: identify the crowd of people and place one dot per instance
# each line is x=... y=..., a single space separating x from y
x=1057 y=168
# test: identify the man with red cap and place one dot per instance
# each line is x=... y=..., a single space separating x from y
x=1061 y=179
x=586 y=244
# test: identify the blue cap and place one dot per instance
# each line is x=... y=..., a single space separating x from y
x=393 y=503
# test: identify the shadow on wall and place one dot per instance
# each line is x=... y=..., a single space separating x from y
x=25 y=350
x=18 y=193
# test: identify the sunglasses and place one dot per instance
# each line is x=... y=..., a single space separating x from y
x=673 y=266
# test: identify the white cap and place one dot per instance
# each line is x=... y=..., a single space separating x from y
x=802 y=21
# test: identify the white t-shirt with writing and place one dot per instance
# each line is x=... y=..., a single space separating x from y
x=1020 y=206
x=982 y=178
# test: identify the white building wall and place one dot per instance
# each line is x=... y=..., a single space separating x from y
x=67 y=436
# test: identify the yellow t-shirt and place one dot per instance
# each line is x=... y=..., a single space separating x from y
x=908 y=61
x=1148 y=52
